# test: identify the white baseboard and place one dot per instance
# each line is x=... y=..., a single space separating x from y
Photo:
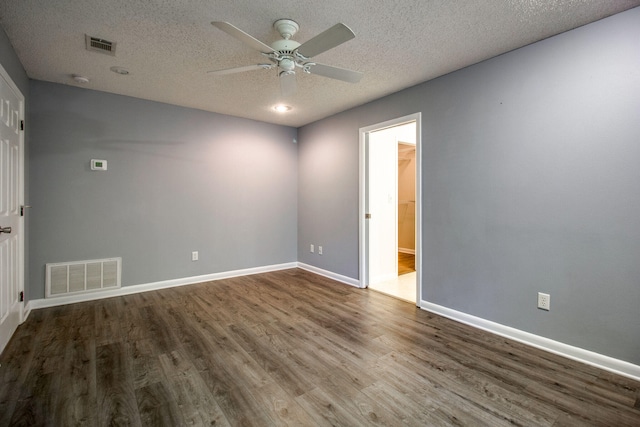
x=607 y=363
x=134 y=289
x=330 y=275
x=26 y=310
x=407 y=251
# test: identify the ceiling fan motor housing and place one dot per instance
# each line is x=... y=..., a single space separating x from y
x=287 y=46
x=285 y=54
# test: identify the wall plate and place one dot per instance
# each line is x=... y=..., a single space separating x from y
x=544 y=301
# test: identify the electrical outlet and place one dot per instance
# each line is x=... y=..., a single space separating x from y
x=194 y=256
x=544 y=301
x=319 y=250
x=311 y=248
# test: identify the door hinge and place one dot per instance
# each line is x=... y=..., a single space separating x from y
x=367 y=216
x=21 y=124
x=21 y=296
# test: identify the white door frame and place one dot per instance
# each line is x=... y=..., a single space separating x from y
x=362 y=245
x=21 y=175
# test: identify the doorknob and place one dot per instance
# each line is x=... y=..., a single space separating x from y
x=5 y=230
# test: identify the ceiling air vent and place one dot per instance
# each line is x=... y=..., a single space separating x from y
x=96 y=44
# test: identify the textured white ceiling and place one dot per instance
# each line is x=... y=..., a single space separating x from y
x=168 y=45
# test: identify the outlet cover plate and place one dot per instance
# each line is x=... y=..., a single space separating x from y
x=544 y=301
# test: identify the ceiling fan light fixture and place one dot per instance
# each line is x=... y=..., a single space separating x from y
x=287 y=65
x=282 y=108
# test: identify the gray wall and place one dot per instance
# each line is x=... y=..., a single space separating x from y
x=13 y=67
x=178 y=180
x=12 y=64
x=328 y=194
x=530 y=183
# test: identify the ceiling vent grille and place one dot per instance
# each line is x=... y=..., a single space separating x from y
x=96 y=44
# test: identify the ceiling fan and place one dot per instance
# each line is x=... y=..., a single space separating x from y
x=287 y=55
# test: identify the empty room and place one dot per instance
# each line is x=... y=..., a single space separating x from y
x=206 y=209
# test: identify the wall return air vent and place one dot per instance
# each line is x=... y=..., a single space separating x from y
x=96 y=44
x=69 y=278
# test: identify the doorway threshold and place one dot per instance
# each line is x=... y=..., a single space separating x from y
x=402 y=287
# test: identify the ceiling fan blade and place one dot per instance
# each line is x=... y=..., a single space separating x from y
x=242 y=36
x=336 y=73
x=326 y=40
x=287 y=83
x=241 y=69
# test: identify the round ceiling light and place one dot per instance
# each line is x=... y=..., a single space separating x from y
x=119 y=70
x=282 y=108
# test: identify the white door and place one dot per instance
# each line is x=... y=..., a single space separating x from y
x=11 y=198
x=383 y=206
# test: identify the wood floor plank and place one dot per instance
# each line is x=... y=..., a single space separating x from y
x=115 y=392
x=412 y=413
x=238 y=404
x=77 y=407
x=228 y=372
x=157 y=329
x=191 y=394
x=145 y=363
x=406 y=263
x=451 y=384
x=282 y=408
x=316 y=359
x=33 y=407
x=289 y=348
x=13 y=371
x=156 y=406
x=349 y=395
x=278 y=367
x=325 y=411
x=242 y=369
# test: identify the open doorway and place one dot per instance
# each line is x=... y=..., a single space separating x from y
x=390 y=207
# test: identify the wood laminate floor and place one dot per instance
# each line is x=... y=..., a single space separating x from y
x=406 y=263
x=288 y=348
